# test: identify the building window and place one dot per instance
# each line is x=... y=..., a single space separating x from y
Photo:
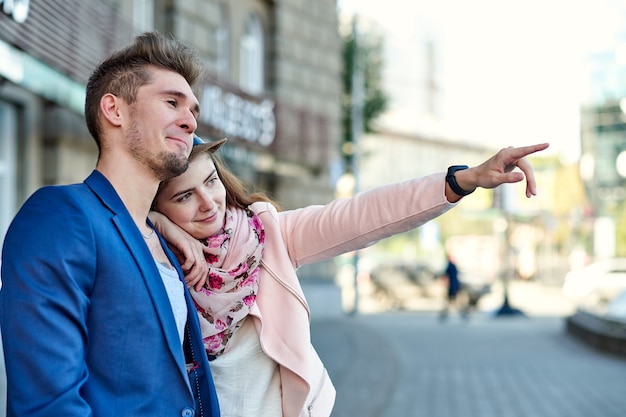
x=8 y=139
x=143 y=15
x=222 y=36
x=251 y=54
x=140 y=12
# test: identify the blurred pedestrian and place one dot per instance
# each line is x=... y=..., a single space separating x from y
x=254 y=316
x=96 y=320
x=450 y=279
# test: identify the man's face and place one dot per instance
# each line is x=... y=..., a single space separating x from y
x=161 y=123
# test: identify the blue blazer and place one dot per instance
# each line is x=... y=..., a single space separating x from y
x=87 y=326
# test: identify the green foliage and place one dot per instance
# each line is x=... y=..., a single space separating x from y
x=370 y=59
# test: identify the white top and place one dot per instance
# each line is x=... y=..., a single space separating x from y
x=246 y=379
x=176 y=294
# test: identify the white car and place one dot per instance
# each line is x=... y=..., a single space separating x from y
x=602 y=279
x=617 y=306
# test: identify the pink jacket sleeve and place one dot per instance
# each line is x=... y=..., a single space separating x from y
x=317 y=233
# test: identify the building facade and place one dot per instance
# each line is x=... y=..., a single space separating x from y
x=273 y=88
x=603 y=146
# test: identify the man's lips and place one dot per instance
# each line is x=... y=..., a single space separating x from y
x=181 y=141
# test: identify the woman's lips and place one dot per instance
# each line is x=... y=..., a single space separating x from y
x=209 y=219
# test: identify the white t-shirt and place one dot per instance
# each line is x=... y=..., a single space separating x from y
x=176 y=294
x=246 y=379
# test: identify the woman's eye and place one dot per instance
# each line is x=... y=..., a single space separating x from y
x=183 y=197
x=172 y=102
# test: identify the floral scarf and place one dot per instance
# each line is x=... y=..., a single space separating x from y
x=233 y=257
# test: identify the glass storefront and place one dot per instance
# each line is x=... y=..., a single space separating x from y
x=8 y=134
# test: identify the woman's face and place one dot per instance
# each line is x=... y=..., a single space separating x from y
x=196 y=199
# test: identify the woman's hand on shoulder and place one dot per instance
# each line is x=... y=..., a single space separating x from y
x=188 y=250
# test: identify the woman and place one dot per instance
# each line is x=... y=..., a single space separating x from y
x=255 y=319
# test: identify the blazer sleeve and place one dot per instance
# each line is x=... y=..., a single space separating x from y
x=317 y=233
x=47 y=270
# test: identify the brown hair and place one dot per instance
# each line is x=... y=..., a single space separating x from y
x=126 y=70
x=238 y=194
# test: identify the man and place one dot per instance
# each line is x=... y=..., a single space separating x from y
x=95 y=318
x=453 y=286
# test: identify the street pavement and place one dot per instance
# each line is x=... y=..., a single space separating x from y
x=412 y=364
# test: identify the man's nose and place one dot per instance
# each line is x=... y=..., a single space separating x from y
x=188 y=121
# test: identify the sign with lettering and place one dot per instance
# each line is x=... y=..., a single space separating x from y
x=16 y=9
x=235 y=116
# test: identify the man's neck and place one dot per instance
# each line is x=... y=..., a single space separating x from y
x=135 y=184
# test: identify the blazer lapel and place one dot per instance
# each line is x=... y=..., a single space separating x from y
x=152 y=278
x=145 y=262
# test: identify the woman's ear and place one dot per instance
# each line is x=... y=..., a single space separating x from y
x=110 y=108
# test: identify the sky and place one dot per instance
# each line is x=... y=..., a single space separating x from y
x=512 y=72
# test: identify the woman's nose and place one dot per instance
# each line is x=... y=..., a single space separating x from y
x=206 y=201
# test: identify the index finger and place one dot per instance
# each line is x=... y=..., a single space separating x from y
x=522 y=151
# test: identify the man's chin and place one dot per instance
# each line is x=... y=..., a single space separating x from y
x=173 y=166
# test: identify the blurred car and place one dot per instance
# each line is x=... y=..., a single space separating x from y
x=617 y=306
x=401 y=283
x=602 y=279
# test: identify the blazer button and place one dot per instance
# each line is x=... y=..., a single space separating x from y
x=188 y=412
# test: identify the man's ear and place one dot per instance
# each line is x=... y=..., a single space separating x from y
x=110 y=108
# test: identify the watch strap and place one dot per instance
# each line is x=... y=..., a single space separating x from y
x=451 y=180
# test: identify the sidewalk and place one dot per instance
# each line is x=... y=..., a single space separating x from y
x=413 y=365
x=354 y=355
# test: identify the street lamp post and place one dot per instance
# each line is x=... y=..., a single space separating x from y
x=504 y=227
x=355 y=135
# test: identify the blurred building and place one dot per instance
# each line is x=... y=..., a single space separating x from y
x=410 y=138
x=273 y=89
x=413 y=138
x=603 y=145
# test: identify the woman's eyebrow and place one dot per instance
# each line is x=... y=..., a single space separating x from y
x=188 y=190
x=181 y=192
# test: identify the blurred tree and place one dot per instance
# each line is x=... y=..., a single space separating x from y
x=369 y=54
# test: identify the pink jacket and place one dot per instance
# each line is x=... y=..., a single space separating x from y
x=315 y=233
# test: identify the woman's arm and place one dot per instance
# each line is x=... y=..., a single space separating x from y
x=316 y=233
x=187 y=249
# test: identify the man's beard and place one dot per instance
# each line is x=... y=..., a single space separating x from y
x=165 y=165
x=168 y=165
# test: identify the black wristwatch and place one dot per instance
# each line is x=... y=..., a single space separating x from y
x=451 y=180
